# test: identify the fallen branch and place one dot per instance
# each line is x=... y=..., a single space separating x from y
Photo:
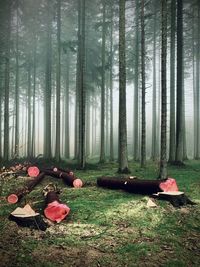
x=69 y=179
x=15 y=197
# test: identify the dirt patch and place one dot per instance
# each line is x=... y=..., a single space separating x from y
x=9 y=243
x=67 y=256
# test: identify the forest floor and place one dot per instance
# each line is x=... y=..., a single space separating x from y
x=106 y=227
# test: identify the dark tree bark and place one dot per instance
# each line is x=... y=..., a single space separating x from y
x=163 y=152
x=136 y=88
x=16 y=151
x=67 y=132
x=47 y=94
x=29 y=132
x=111 y=86
x=154 y=98
x=102 y=147
x=179 y=99
x=34 y=95
x=58 y=69
x=136 y=186
x=172 y=139
x=143 y=130
x=81 y=156
x=197 y=129
x=78 y=73
x=123 y=155
x=7 y=83
x=15 y=197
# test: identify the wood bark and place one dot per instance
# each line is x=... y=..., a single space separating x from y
x=47 y=94
x=111 y=86
x=67 y=132
x=29 y=132
x=7 y=84
x=16 y=150
x=154 y=98
x=58 y=70
x=172 y=138
x=146 y=187
x=136 y=88
x=69 y=179
x=82 y=92
x=143 y=130
x=163 y=152
x=102 y=146
x=197 y=139
x=17 y=196
x=179 y=99
x=123 y=155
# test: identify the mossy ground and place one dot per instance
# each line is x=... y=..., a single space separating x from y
x=106 y=227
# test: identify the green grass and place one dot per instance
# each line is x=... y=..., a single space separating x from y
x=107 y=227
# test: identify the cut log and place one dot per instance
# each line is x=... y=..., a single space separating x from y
x=162 y=189
x=137 y=186
x=15 y=197
x=69 y=179
x=55 y=210
x=27 y=217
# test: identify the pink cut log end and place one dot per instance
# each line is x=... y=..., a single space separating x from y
x=56 y=211
x=169 y=185
x=12 y=199
x=33 y=171
x=77 y=183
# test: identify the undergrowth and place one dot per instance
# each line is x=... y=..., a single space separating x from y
x=106 y=227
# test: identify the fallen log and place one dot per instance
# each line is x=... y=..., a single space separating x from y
x=69 y=179
x=138 y=186
x=15 y=197
x=162 y=189
x=55 y=210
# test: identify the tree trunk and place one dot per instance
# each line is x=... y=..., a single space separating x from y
x=16 y=152
x=123 y=155
x=34 y=93
x=111 y=86
x=102 y=134
x=7 y=84
x=172 y=138
x=179 y=99
x=197 y=144
x=78 y=73
x=163 y=152
x=58 y=69
x=136 y=88
x=143 y=136
x=67 y=132
x=47 y=94
x=154 y=100
x=81 y=156
x=29 y=110
x=88 y=125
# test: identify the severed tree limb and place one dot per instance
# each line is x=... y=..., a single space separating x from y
x=68 y=178
x=15 y=197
